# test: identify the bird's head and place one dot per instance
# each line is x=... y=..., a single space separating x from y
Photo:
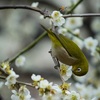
x=80 y=69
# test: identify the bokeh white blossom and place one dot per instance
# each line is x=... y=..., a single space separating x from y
x=22 y=94
x=66 y=71
x=73 y=23
x=35 y=4
x=1 y=84
x=91 y=44
x=11 y=79
x=20 y=61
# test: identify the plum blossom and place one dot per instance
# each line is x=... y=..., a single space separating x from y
x=57 y=19
x=20 y=61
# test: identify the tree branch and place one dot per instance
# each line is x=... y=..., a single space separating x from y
x=28 y=47
x=21 y=7
x=43 y=12
x=82 y=15
x=19 y=82
x=70 y=11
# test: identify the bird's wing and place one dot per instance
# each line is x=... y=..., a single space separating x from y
x=70 y=46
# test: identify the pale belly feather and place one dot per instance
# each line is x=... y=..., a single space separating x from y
x=62 y=55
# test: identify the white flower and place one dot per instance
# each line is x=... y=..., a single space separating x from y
x=73 y=96
x=96 y=54
x=67 y=92
x=20 y=61
x=1 y=84
x=66 y=71
x=73 y=23
x=51 y=97
x=14 y=96
x=24 y=91
x=82 y=99
x=41 y=17
x=80 y=86
x=76 y=32
x=11 y=79
x=57 y=88
x=32 y=99
x=90 y=43
x=96 y=24
x=4 y=66
x=22 y=94
x=57 y=18
x=58 y=22
x=62 y=30
x=43 y=84
x=35 y=77
x=95 y=98
x=97 y=92
x=85 y=91
x=56 y=14
x=79 y=42
x=35 y=4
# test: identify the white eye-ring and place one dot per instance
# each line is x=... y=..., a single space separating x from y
x=78 y=69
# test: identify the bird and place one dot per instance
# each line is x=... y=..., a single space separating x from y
x=67 y=52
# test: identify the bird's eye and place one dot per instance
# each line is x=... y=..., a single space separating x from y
x=78 y=69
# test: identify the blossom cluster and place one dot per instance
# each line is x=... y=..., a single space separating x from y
x=85 y=91
x=50 y=91
x=11 y=75
x=22 y=94
x=57 y=19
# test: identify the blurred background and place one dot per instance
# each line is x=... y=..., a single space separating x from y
x=20 y=27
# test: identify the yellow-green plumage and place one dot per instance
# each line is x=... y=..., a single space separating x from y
x=67 y=52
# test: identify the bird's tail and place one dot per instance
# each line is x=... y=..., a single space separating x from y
x=51 y=34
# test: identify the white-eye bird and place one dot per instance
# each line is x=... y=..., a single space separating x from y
x=67 y=52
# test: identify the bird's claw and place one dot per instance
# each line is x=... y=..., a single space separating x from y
x=56 y=61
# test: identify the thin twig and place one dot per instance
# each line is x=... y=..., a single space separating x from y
x=24 y=83
x=19 y=82
x=28 y=47
x=43 y=12
x=21 y=7
x=82 y=15
x=71 y=10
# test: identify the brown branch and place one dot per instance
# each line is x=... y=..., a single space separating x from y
x=82 y=15
x=43 y=12
x=19 y=82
